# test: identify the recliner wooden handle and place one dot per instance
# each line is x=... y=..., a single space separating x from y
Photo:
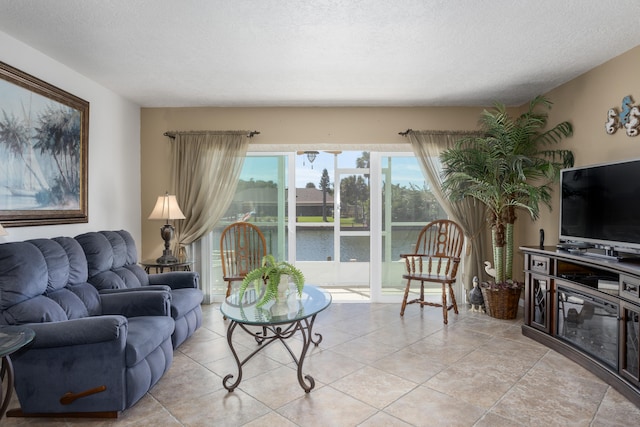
x=69 y=397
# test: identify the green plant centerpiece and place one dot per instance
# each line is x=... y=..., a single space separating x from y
x=508 y=166
x=268 y=275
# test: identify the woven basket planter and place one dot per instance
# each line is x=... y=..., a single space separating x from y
x=501 y=303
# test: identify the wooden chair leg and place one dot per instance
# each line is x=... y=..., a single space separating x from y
x=406 y=295
x=453 y=299
x=445 y=312
x=227 y=296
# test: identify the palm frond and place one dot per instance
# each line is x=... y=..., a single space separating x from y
x=505 y=167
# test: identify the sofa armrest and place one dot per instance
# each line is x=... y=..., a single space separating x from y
x=176 y=279
x=75 y=356
x=165 y=288
x=87 y=330
x=139 y=303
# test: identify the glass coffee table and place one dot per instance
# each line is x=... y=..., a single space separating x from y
x=275 y=322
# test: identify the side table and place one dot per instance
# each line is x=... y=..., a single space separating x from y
x=159 y=267
x=12 y=339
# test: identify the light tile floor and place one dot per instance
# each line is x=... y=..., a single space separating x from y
x=374 y=368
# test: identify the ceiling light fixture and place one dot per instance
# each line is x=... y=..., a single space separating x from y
x=311 y=156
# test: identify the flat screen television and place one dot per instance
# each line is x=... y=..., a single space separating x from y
x=600 y=206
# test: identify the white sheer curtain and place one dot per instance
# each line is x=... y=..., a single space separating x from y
x=205 y=170
x=470 y=214
x=206 y=166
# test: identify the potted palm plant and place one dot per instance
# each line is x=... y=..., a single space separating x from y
x=273 y=275
x=509 y=166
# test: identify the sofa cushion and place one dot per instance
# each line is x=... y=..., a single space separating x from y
x=20 y=280
x=98 y=252
x=70 y=303
x=126 y=258
x=132 y=252
x=78 y=270
x=110 y=279
x=57 y=263
x=145 y=334
x=128 y=276
x=119 y=248
x=34 y=310
x=109 y=260
x=89 y=296
x=141 y=276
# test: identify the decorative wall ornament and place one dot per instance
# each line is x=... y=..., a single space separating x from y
x=628 y=118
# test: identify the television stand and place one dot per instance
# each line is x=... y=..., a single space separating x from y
x=605 y=253
x=586 y=306
x=569 y=245
x=608 y=253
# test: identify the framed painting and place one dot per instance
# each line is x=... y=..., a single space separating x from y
x=44 y=136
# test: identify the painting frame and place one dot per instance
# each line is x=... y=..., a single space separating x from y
x=63 y=198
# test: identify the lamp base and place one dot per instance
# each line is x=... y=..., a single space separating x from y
x=167 y=234
x=167 y=258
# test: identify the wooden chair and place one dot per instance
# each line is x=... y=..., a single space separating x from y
x=435 y=260
x=242 y=247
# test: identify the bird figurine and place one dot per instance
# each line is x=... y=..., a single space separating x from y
x=489 y=270
x=475 y=297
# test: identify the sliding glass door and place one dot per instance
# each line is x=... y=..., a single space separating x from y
x=403 y=205
x=261 y=198
x=343 y=217
x=332 y=233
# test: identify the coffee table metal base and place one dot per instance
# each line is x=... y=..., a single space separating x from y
x=6 y=371
x=270 y=334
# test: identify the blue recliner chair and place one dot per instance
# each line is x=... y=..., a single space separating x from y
x=113 y=267
x=92 y=354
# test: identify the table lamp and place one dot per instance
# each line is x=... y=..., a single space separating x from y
x=167 y=209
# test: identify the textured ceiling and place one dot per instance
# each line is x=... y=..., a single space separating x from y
x=161 y=53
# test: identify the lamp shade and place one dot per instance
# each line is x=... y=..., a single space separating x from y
x=167 y=208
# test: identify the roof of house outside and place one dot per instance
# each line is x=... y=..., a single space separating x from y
x=311 y=196
x=304 y=196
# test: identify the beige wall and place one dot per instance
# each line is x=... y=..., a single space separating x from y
x=114 y=151
x=584 y=102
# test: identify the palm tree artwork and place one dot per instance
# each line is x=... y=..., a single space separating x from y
x=47 y=148
x=510 y=166
x=58 y=137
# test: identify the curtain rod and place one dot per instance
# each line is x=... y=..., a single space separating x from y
x=441 y=132
x=172 y=135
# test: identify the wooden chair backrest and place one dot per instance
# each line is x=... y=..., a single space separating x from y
x=441 y=237
x=242 y=247
x=437 y=251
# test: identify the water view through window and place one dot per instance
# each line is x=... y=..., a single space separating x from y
x=338 y=229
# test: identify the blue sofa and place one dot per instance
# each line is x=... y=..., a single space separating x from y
x=111 y=348
x=113 y=267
